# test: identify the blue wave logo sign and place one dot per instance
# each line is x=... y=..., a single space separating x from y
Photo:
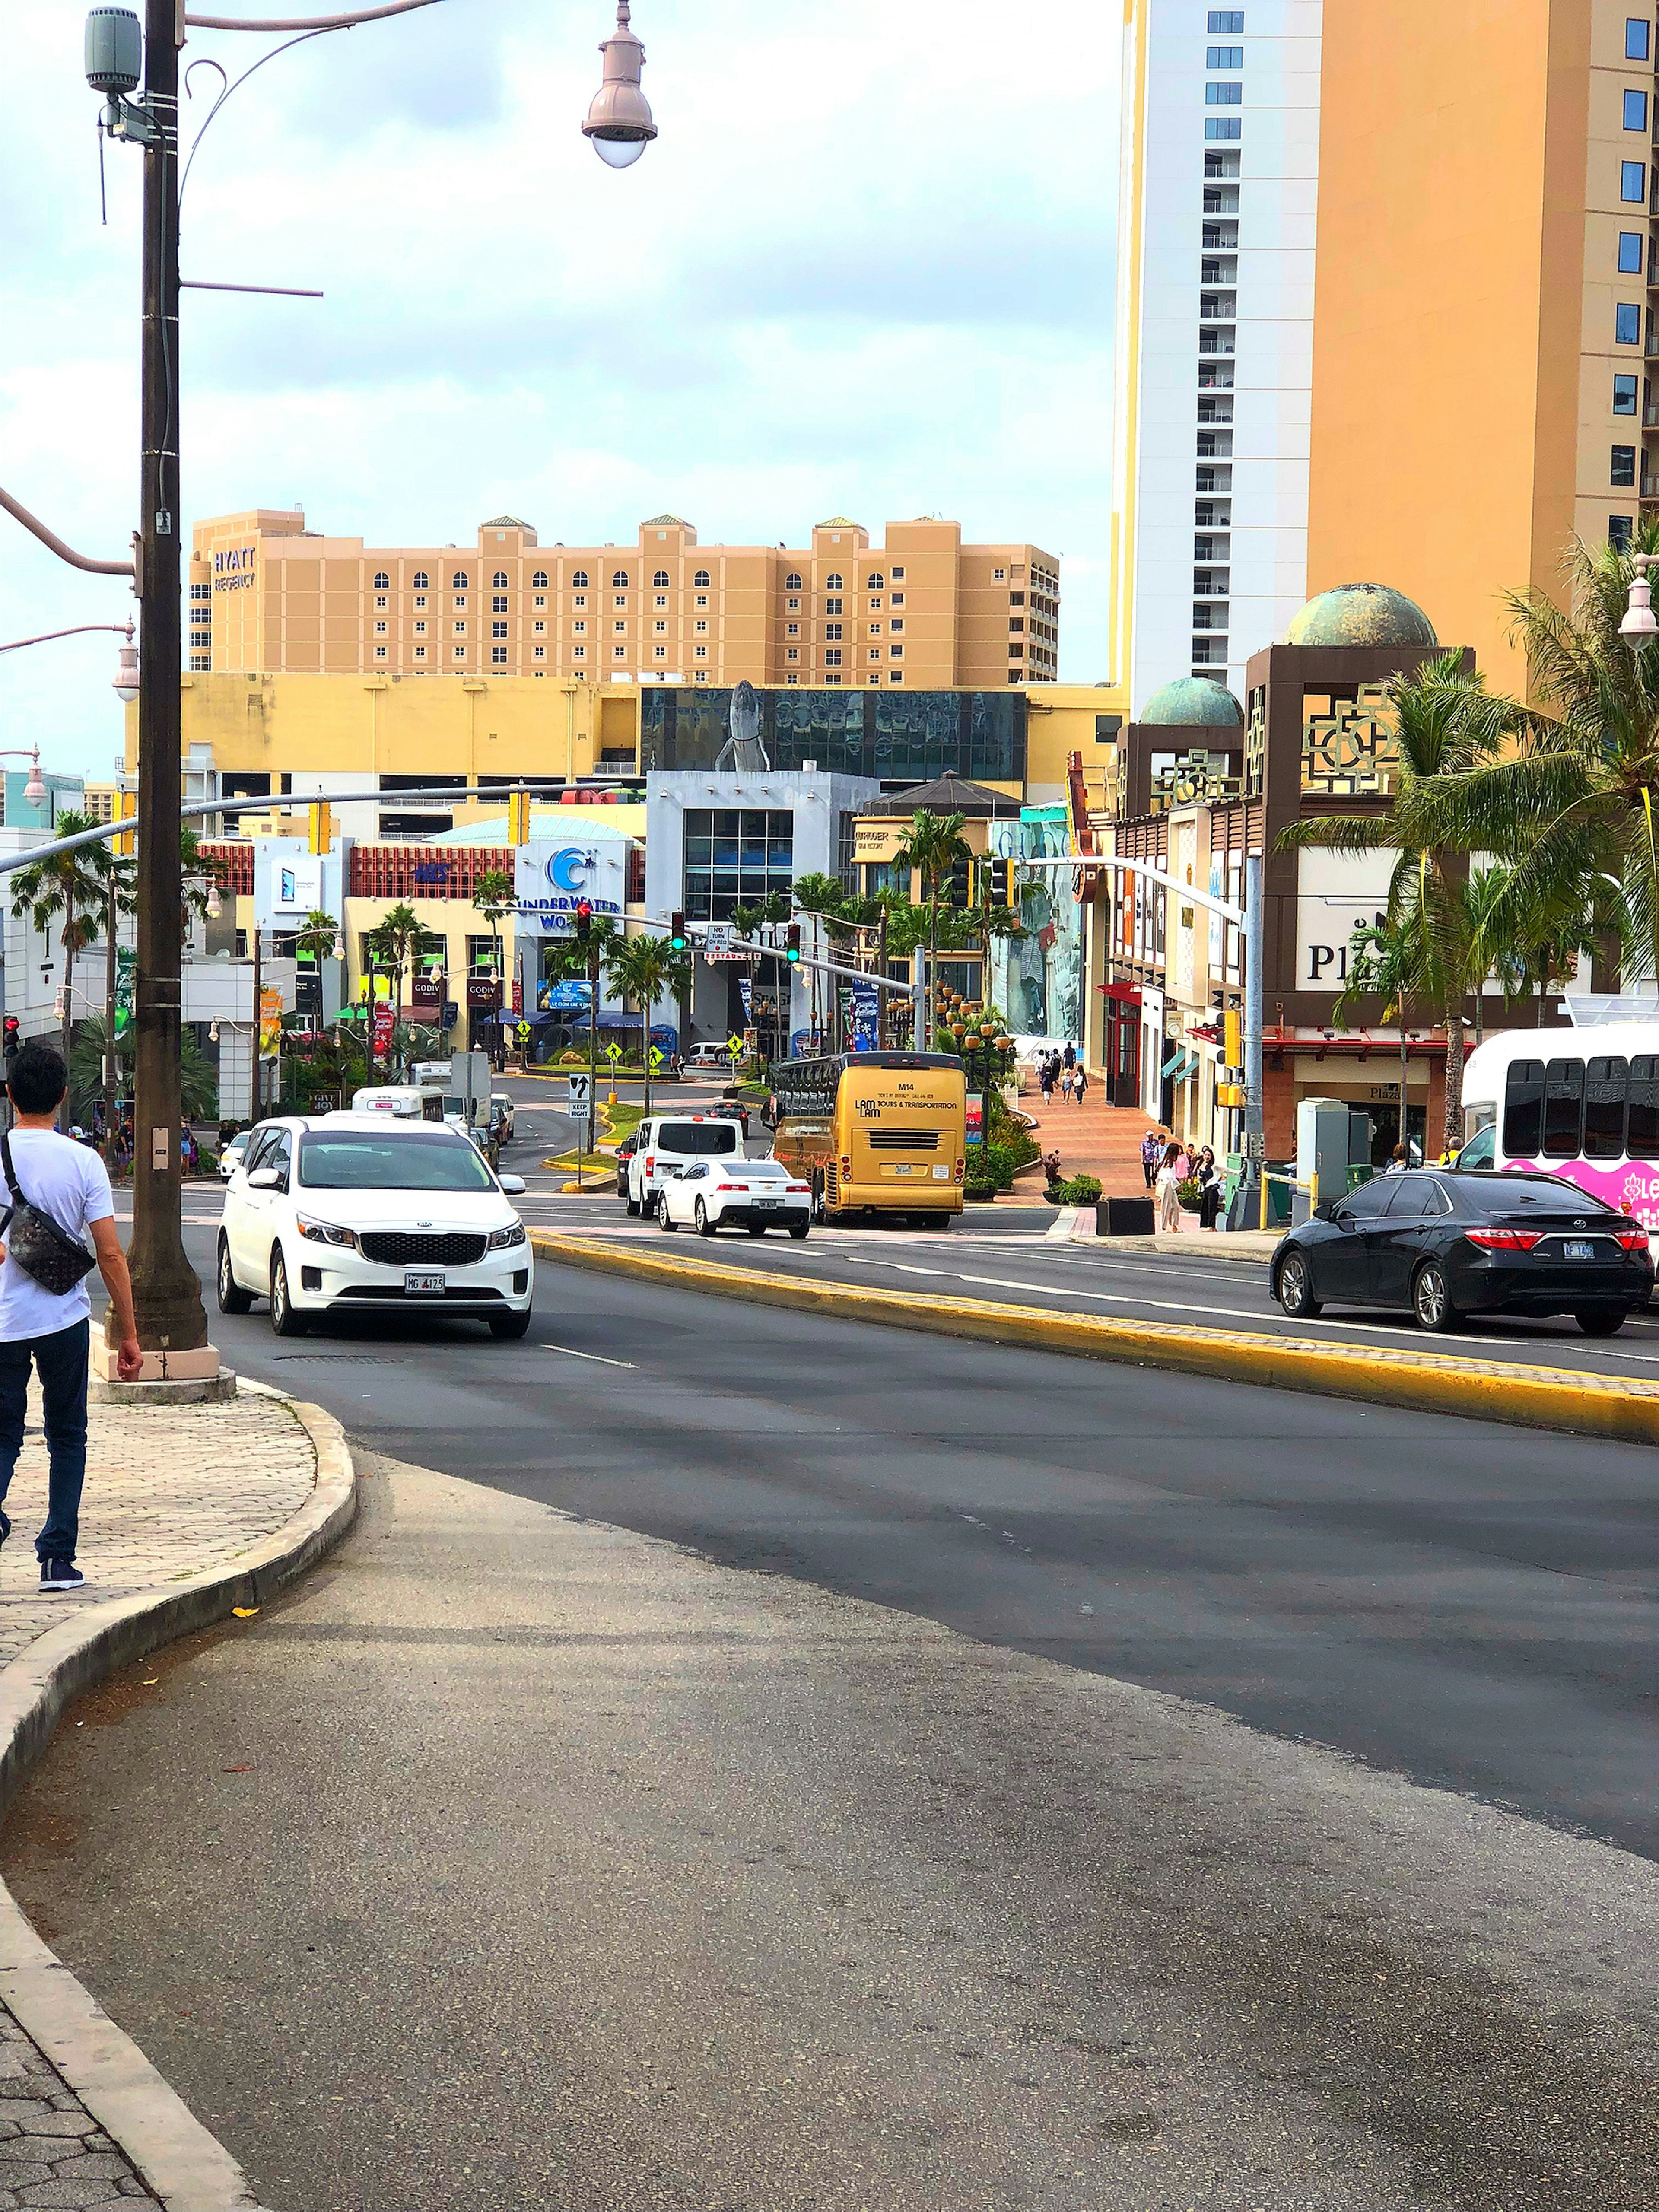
x=564 y=868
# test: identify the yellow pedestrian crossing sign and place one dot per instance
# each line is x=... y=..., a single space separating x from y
x=734 y=1045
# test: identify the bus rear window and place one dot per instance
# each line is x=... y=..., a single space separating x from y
x=693 y=1138
x=1642 y=1128
x=1604 y=1108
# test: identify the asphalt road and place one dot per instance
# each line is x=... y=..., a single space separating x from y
x=1469 y=1604
x=516 y=1862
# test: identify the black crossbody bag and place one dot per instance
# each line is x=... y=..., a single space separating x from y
x=36 y=1243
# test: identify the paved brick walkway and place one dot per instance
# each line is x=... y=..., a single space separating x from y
x=168 y=1495
x=1093 y=1139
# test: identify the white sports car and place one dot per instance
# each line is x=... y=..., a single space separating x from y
x=754 y=1194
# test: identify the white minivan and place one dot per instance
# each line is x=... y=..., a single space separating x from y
x=671 y=1140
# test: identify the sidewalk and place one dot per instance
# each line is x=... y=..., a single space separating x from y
x=1093 y=1139
x=172 y=1494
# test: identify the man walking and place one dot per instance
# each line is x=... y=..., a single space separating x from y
x=50 y=1332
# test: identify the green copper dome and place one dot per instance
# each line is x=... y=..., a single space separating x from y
x=1193 y=702
x=1362 y=614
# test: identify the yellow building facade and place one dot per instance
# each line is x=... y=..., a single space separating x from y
x=922 y=611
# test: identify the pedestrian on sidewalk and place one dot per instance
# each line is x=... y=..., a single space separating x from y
x=50 y=1330
x=1209 y=1188
x=1046 y=1079
x=1169 y=1190
x=1079 y=1082
x=1152 y=1150
x=1066 y=1081
x=1068 y=1057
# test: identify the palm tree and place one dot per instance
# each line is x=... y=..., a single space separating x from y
x=493 y=897
x=645 y=970
x=317 y=936
x=1572 y=808
x=70 y=887
x=818 y=896
x=395 y=942
x=934 y=849
x=199 y=1086
x=1449 y=727
x=1385 y=961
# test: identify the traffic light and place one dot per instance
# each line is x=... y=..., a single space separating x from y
x=792 y=944
x=11 y=1038
x=518 y=818
x=994 y=884
x=1232 y=1049
x=584 y=921
x=676 y=937
x=322 y=826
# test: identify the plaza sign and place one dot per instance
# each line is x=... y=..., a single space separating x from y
x=551 y=878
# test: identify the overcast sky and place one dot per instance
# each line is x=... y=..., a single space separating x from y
x=866 y=269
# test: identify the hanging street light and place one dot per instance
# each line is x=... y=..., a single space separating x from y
x=1640 y=624
x=619 y=123
x=126 y=675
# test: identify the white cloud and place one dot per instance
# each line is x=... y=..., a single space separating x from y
x=867 y=268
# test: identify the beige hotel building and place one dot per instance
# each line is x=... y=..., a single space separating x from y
x=923 y=610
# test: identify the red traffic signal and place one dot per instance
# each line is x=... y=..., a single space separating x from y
x=584 y=920
x=11 y=1039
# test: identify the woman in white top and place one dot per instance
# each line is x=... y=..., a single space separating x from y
x=1168 y=1191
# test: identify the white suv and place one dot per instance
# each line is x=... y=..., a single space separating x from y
x=673 y=1140
x=352 y=1213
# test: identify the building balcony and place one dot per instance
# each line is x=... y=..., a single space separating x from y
x=1650 y=488
x=1215 y=342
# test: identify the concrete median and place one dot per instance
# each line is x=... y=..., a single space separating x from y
x=1426 y=1381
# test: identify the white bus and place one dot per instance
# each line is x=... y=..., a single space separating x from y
x=1580 y=1103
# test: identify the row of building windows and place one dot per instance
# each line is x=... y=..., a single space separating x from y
x=660 y=581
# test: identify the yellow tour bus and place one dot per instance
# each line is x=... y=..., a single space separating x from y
x=874 y=1132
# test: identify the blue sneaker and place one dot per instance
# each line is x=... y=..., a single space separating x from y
x=61 y=1575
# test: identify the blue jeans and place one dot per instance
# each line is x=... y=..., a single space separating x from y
x=61 y=1360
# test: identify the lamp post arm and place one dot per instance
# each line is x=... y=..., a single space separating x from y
x=346 y=22
x=121 y=630
x=51 y=540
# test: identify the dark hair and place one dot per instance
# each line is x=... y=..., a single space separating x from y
x=35 y=1079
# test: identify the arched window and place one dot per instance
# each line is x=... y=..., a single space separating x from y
x=700 y=581
x=538 y=581
x=382 y=581
x=659 y=581
x=620 y=578
x=578 y=581
x=832 y=583
x=791 y=583
x=458 y=581
x=875 y=581
x=420 y=579
x=499 y=580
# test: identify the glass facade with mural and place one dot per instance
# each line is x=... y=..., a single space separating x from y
x=1037 y=979
x=900 y=737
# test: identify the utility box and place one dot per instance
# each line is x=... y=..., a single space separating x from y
x=1321 y=1149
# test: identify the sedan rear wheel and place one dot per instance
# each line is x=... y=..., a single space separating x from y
x=1604 y=1323
x=1431 y=1297
x=1296 y=1289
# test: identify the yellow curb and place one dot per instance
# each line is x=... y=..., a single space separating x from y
x=1530 y=1397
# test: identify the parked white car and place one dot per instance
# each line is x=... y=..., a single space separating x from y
x=351 y=1213
x=231 y=1158
x=672 y=1141
x=752 y=1195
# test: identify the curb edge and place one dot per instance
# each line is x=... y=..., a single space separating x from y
x=184 y=2164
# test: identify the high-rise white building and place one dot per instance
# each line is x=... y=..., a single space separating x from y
x=1219 y=186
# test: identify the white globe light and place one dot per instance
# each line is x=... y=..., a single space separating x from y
x=619 y=153
x=36 y=789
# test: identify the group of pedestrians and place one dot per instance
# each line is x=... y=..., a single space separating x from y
x=1064 y=1073
x=1166 y=1166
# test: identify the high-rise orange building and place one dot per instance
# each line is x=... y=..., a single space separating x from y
x=1385 y=313
x=923 y=610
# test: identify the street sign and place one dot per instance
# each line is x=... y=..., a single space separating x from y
x=734 y=1046
x=523 y=1032
x=613 y=1052
x=656 y=1059
x=717 y=947
x=579 y=1091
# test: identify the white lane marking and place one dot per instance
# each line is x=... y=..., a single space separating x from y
x=1532 y=1346
x=599 y=1359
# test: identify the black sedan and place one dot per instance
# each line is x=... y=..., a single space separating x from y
x=1440 y=1245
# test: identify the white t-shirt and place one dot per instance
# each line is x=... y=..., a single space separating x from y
x=72 y=1183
